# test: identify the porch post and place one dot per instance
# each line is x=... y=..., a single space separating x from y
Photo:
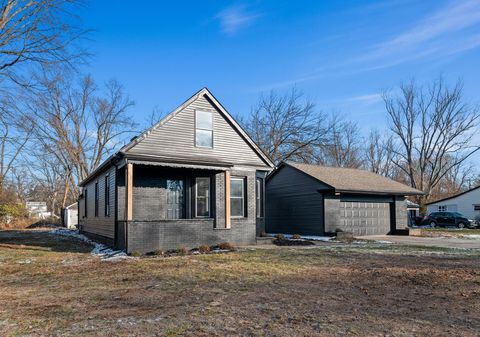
x=128 y=190
x=228 y=221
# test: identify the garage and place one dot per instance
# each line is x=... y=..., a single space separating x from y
x=365 y=218
x=319 y=200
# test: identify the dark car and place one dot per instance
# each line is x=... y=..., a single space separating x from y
x=447 y=219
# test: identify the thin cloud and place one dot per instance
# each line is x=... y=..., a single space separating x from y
x=233 y=19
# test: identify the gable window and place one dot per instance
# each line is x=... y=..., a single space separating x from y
x=204 y=129
x=237 y=197
x=107 y=195
x=85 y=202
x=259 y=197
x=96 y=198
x=442 y=208
x=202 y=197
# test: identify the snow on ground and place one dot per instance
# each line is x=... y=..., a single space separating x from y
x=471 y=236
x=99 y=250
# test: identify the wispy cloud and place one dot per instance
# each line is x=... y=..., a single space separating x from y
x=434 y=33
x=235 y=18
x=451 y=30
x=366 y=99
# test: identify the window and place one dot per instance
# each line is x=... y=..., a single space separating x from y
x=237 y=199
x=204 y=129
x=476 y=207
x=85 y=202
x=96 y=198
x=202 y=197
x=107 y=195
x=442 y=208
x=259 y=196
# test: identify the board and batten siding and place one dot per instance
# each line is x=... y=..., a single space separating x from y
x=464 y=204
x=176 y=139
x=99 y=225
x=293 y=203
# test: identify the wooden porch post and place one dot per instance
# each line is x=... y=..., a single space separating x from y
x=128 y=190
x=228 y=220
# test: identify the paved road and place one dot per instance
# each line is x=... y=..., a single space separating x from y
x=448 y=242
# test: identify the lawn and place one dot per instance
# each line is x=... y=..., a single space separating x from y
x=51 y=285
x=452 y=231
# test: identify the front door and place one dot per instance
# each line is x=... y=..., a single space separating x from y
x=175 y=199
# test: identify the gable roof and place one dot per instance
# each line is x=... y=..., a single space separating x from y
x=453 y=196
x=353 y=180
x=123 y=152
x=221 y=109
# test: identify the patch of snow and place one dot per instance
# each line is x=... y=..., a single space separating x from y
x=100 y=250
x=383 y=241
x=471 y=236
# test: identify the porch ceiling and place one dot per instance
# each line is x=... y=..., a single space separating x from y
x=200 y=166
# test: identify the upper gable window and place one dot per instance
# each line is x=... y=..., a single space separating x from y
x=204 y=129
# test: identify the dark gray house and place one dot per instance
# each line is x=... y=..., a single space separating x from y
x=317 y=200
x=193 y=178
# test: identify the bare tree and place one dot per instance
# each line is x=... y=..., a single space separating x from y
x=286 y=126
x=434 y=128
x=80 y=124
x=380 y=155
x=37 y=32
x=343 y=145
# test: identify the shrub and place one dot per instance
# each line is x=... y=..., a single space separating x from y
x=135 y=253
x=158 y=252
x=226 y=246
x=12 y=210
x=182 y=251
x=296 y=236
x=279 y=236
x=204 y=249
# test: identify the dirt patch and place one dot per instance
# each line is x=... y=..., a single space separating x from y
x=53 y=286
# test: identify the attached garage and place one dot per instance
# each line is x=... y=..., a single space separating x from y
x=317 y=200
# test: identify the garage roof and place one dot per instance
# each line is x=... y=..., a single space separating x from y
x=354 y=180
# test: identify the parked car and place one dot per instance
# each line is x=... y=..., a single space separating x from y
x=447 y=219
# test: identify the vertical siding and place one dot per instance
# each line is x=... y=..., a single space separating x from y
x=101 y=225
x=293 y=203
x=176 y=139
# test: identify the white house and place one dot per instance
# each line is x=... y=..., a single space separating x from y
x=467 y=203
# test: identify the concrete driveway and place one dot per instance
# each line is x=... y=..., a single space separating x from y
x=446 y=242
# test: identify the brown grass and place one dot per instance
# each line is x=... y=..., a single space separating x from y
x=53 y=286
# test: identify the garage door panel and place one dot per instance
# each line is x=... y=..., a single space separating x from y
x=365 y=218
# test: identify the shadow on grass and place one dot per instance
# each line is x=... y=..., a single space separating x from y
x=41 y=240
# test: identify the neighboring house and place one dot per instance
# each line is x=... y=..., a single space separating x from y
x=193 y=178
x=316 y=200
x=37 y=209
x=70 y=216
x=467 y=203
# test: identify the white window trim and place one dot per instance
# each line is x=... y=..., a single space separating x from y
x=197 y=128
x=208 y=197
x=259 y=192
x=243 y=198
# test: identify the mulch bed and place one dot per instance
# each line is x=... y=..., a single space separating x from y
x=288 y=242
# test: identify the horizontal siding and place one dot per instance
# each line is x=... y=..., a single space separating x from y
x=176 y=138
x=100 y=225
x=293 y=203
x=463 y=204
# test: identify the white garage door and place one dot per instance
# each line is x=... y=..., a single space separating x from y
x=365 y=218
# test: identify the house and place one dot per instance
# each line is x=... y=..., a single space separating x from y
x=413 y=211
x=317 y=200
x=37 y=209
x=193 y=178
x=467 y=203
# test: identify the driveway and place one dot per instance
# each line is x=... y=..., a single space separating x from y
x=445 y=242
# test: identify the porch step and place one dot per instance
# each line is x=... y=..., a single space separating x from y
x=262 y=240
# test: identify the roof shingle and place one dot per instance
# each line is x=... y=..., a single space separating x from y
x=355 y=180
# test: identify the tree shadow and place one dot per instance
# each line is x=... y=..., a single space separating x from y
x=41 y=240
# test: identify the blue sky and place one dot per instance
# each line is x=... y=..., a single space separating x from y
x=342 y=54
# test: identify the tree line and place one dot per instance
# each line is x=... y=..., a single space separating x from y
x=57 y=124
